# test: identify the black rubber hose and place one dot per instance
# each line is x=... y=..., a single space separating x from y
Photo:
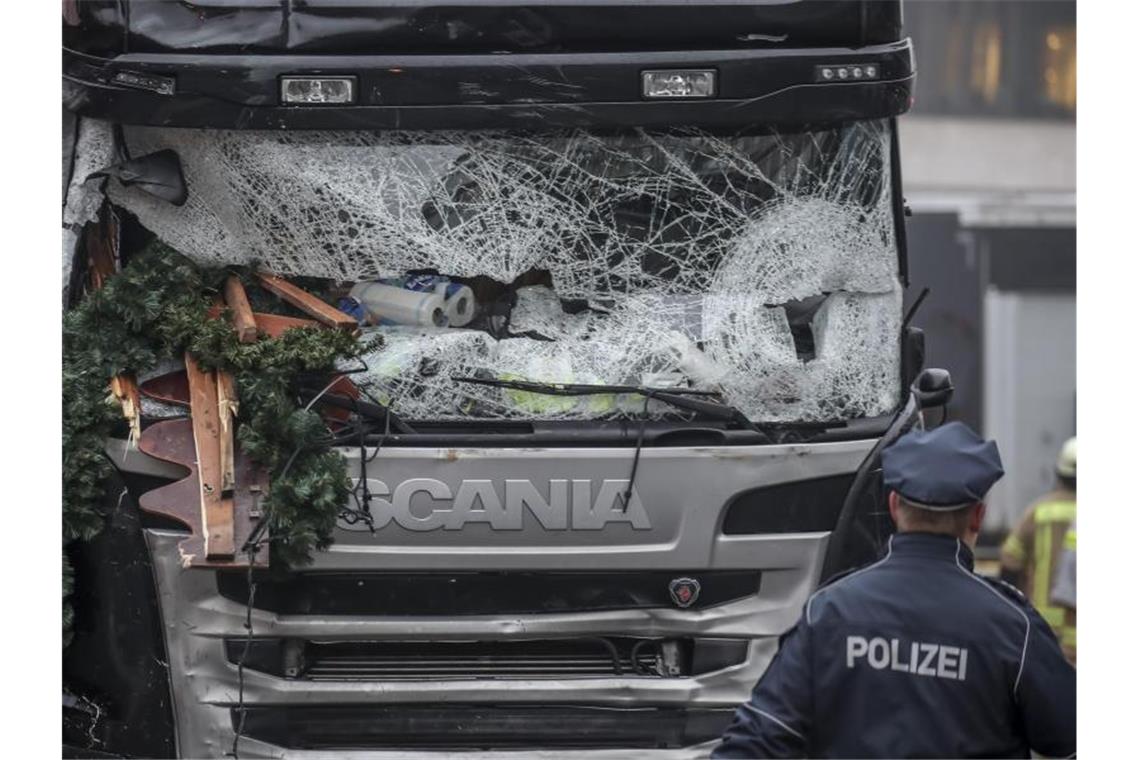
x=899 y=425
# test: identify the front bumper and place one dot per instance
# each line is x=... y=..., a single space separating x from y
x=686 y=494
x=205 y=684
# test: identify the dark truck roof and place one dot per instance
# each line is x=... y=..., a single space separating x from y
x=479 y=64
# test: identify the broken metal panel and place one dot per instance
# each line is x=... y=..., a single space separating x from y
x=93 y=150
x=685 y=245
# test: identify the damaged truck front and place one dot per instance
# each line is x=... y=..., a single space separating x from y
x=638 y=269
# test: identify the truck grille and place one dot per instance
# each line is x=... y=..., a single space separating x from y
x=588 y=657
x=523 y=659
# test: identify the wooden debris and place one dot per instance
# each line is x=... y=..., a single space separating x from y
x=172 y=388
x=275 y=325
x=126 y=392
x=102 y=248
x=307 y=302
x=236 y=300
x=227 y=413
x=172 y=441
x=272 y=325
x=217 y=510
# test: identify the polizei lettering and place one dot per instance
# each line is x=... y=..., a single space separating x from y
x=423 y=504
x=916 y=657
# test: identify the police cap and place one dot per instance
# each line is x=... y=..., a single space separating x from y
x=946 y=468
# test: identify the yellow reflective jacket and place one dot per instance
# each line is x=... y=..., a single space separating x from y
x=1033 y=548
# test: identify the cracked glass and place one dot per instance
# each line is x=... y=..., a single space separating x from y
x=762 y=265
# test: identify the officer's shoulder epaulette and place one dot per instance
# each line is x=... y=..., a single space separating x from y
x=1007 y=589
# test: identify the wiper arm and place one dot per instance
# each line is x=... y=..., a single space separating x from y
x=681 y=398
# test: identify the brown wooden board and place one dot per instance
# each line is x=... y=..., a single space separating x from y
x=102 y=241
x=273 y=325
x=217 y=509
x=173 y=441
x=227 y=415
x=236 y=300
x=126 y=391
x=307 y=302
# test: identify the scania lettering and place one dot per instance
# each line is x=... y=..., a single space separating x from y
x=567 y=505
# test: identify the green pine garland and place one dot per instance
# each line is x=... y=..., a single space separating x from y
x=156 y=308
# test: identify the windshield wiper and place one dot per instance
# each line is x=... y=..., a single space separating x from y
x=680 y=398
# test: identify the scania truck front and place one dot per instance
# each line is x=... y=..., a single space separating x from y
x=697 y=202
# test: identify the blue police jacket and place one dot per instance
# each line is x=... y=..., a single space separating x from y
x=912 y=656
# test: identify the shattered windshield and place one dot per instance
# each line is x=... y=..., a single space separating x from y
x=762 y=265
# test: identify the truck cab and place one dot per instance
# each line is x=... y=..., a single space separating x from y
x=690 y=198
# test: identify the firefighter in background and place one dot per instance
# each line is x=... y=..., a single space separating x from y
x=1065 y=593
x=1029 y=556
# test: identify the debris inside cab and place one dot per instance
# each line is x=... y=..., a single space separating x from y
x=663 y=254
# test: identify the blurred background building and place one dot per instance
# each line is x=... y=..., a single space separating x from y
x=989 y=170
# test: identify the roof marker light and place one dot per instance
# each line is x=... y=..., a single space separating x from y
x=847 y=72
x=152 y=82
x=679 y=83
x=318 y=91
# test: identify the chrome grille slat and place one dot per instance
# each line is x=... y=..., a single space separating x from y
x=334 y=667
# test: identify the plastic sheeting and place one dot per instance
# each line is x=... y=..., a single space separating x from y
x=686 y=245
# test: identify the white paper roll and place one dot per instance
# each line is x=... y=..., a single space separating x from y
x=460 y=307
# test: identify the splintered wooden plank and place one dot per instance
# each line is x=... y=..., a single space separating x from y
x=275 y=325
x=126 y=391
x=272 y=325
x=102 y=245
x=217 y=510
x=244 y=323
x=307 y=302
x=227 y=413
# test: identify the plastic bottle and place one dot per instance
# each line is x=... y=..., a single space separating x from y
x=391 y=305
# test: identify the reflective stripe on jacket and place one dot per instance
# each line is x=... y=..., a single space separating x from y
x=1033 y=548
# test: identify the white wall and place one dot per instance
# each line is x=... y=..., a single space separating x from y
x=991 y=171
x=1029 y=376
x=988 y=154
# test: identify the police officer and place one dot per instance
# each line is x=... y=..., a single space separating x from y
x=915 y=655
